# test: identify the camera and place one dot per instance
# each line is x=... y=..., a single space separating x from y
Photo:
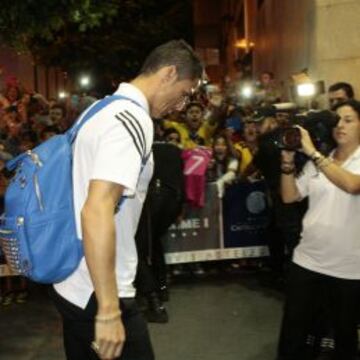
x=319 y=124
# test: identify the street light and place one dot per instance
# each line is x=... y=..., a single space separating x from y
x=85 y=81
x=62 y=95
x=247 y=92
x=306 y=90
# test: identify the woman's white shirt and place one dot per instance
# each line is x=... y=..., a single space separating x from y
x=330 y=240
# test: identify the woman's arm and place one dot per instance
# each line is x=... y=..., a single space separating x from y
x=343 y=179
x=288 y=188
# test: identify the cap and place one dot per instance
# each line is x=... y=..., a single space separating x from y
x=261 y=113
x=235 y=123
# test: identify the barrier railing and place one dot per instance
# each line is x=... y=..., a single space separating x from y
x=228 y=228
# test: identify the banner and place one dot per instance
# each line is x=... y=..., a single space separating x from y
x=245 y=214
x=199 y=230
x=223 y=229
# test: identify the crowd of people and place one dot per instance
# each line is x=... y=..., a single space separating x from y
x=219 y=136
x=26 y=120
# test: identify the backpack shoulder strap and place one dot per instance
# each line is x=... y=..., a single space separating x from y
x=91 y=111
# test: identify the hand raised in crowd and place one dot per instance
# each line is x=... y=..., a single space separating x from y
x=109 y=338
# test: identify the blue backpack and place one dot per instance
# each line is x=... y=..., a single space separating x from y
x=38 y=230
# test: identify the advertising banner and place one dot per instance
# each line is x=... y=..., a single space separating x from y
x=227 y=228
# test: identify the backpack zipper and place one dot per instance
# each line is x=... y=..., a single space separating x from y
x=38 y=192
x=36 y=160
x=6 y=232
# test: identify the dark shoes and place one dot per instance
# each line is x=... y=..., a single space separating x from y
x=164 y=294
x=18 y=297
x=156 y=312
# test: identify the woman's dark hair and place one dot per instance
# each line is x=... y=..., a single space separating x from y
x=221 y=135
x=171 y=130
x=354 y=104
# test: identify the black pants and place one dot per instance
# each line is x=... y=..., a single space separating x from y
x=161 y=208
x=307 y=294
x=78 y=330
x=283 y=232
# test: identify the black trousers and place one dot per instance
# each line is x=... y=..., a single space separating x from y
x=161 y=208
x=78 y=330
x=283 y=231
x=307 y=294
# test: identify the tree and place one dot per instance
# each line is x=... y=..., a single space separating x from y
x=21 y=21
x=109 y=38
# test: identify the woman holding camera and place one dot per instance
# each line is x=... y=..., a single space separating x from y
x=326 y=263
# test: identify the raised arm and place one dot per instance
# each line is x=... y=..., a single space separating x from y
x=343 y=179
x=288 y=189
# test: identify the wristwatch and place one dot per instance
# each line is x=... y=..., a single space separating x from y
x=316 y=156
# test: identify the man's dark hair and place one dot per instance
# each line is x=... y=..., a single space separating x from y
x=49 y=129
x=194 y=104
x=10 y=109
x=59 y=106
x=349 y=91
x=175 y=52
x=29 y=135
x=354 y=104
x=170 y=131
x=270 y=73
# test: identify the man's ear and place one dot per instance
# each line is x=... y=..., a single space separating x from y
x=168 y=74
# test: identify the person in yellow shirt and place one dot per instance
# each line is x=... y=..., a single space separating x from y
x=247 y=147
x=196 y=130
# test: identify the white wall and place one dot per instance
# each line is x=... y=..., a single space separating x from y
x=321 y=35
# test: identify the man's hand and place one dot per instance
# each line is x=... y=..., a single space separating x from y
x=97 y=219
x=110 y=338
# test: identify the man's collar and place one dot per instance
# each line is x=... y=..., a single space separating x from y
x=132 y=92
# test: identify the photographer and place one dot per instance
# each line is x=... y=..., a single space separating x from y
x=284 y=226
x=325 y=266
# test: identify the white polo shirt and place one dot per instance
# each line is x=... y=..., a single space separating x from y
x=330 y=241
x=110 y=147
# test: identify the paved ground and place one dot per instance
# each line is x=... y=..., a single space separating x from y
x=227 y=318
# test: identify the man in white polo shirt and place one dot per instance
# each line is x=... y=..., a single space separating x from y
x=112 y=161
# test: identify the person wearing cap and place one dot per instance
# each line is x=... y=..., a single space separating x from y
x=247 y=148
x=285 y=219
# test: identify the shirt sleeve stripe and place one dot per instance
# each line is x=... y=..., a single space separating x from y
x=139 y=126
x=138 y=148
x=135 y=124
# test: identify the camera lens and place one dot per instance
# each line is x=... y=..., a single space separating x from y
x=291 y=138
